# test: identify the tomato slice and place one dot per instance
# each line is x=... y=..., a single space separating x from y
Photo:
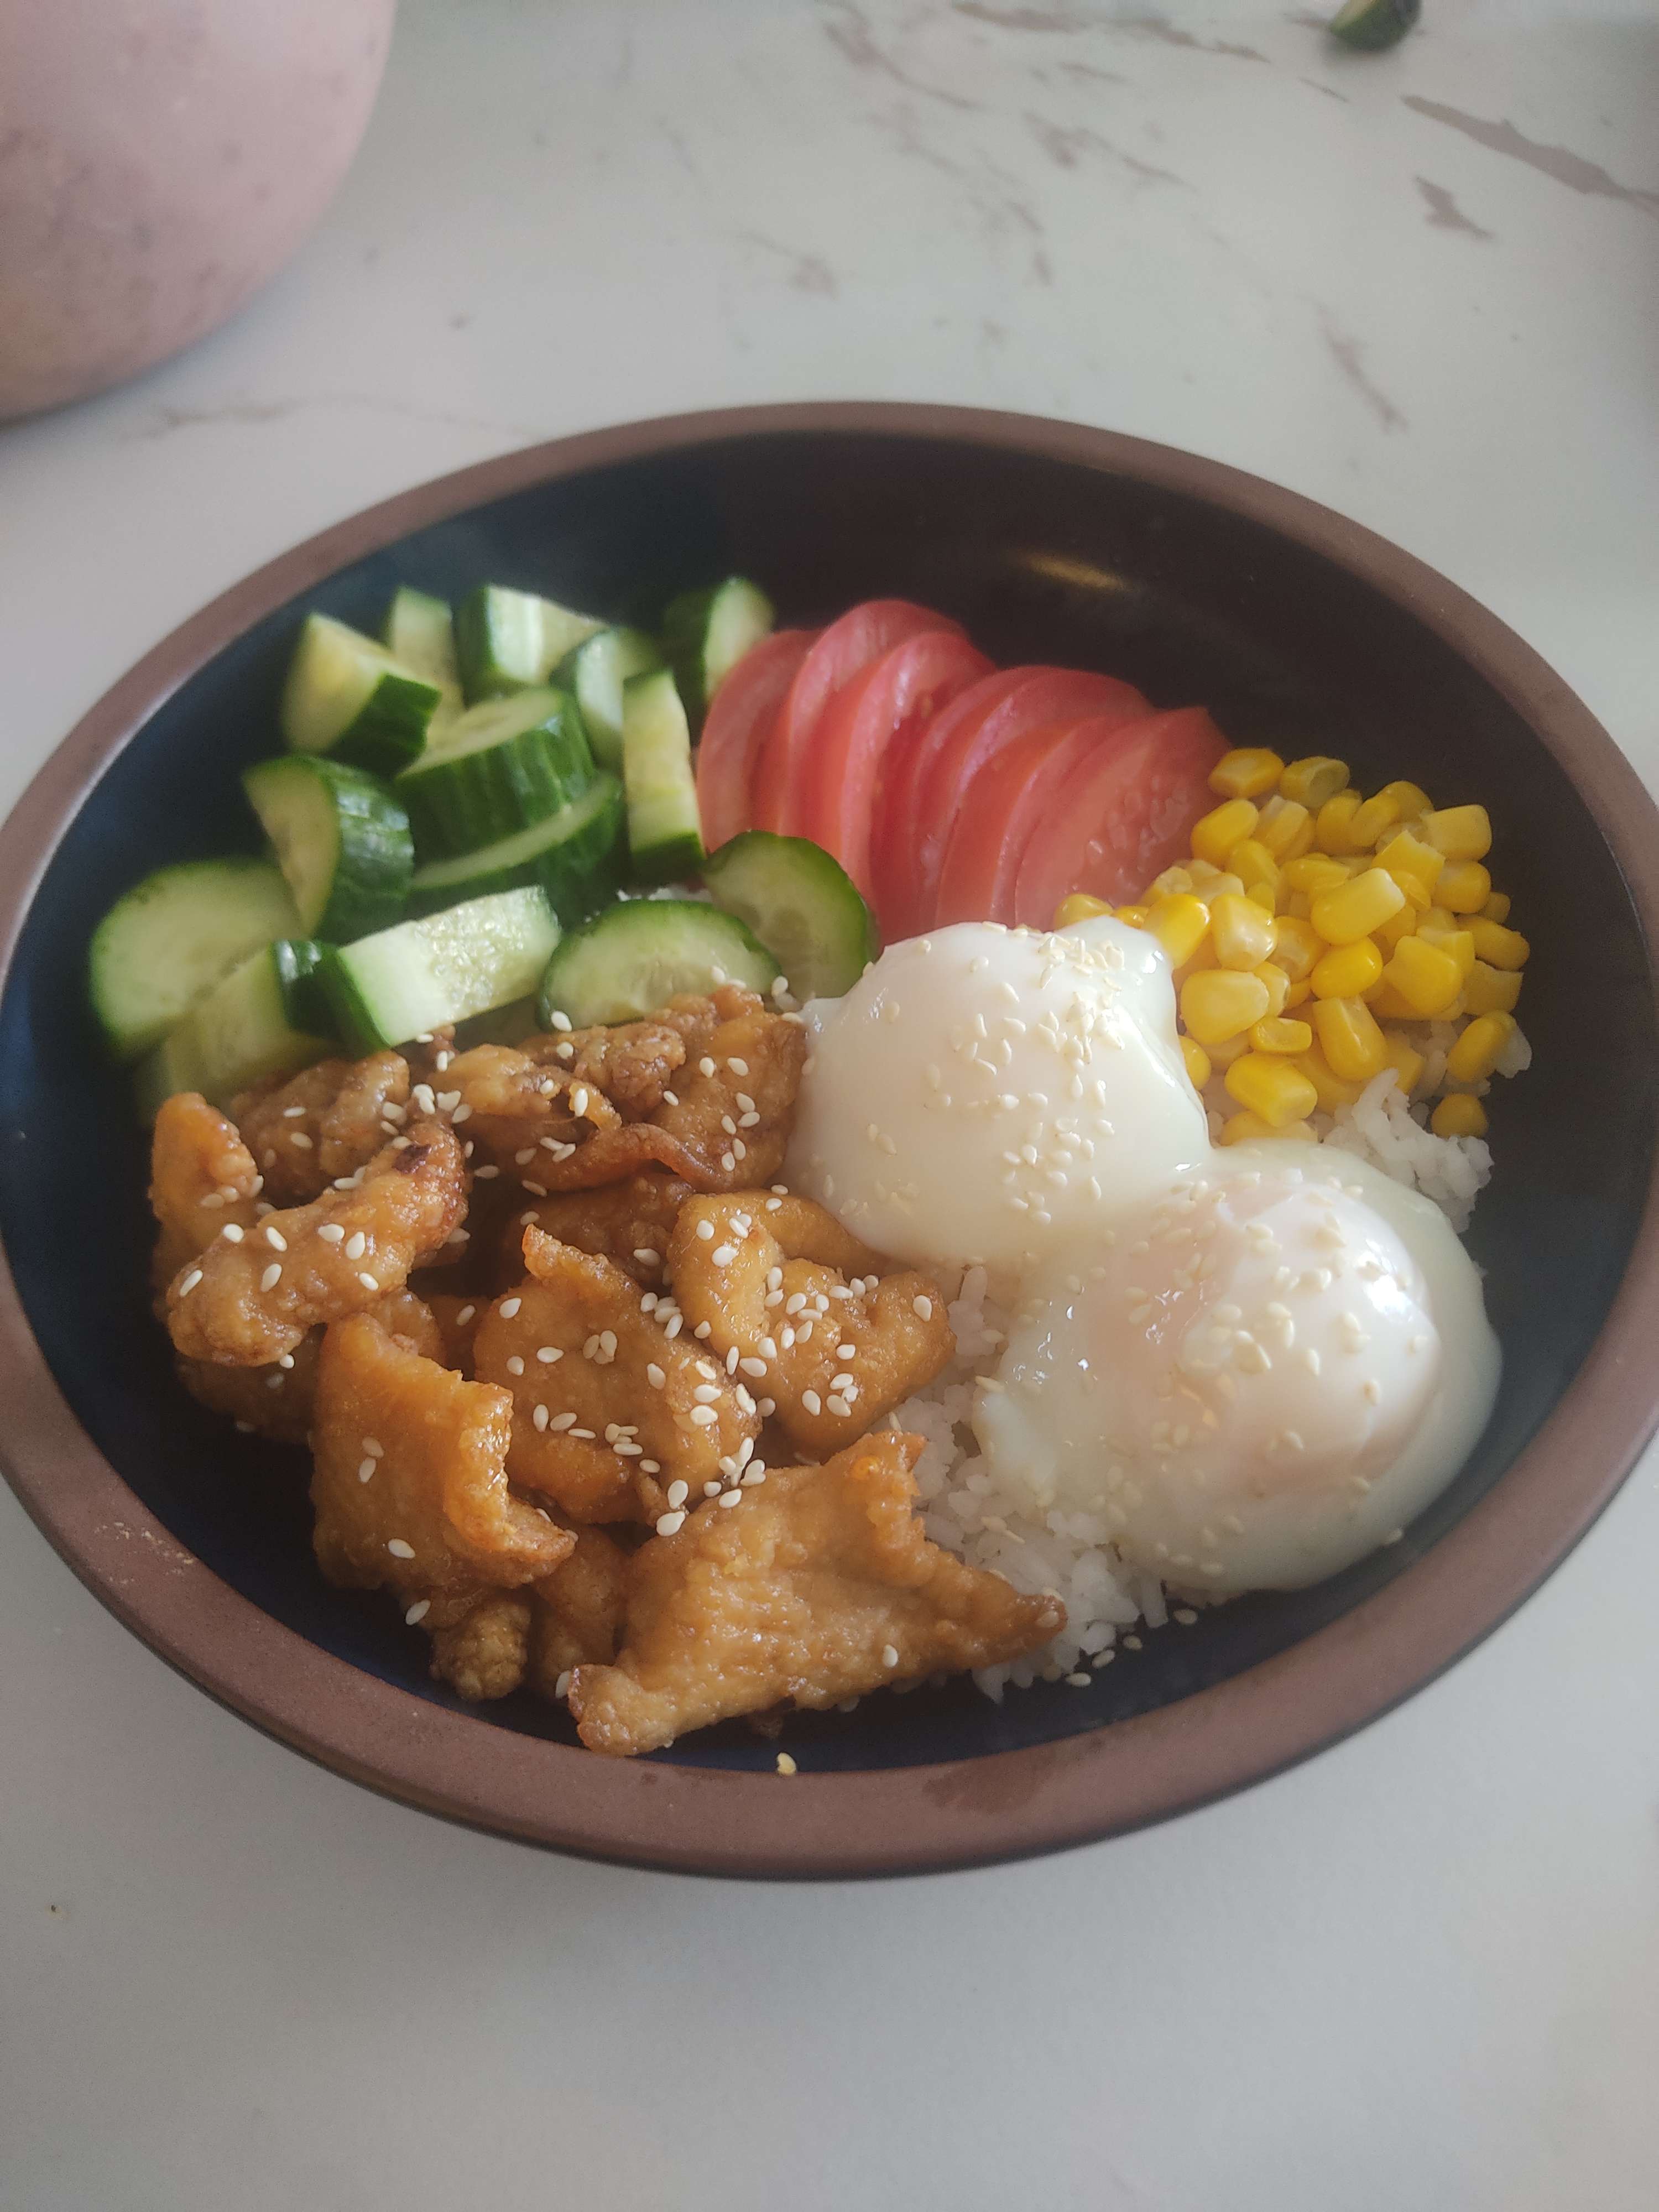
x=739 y=716
x=1122 y=815
x=861 y=635
x=1005 y=806
x=895 y=697
x=958 y=743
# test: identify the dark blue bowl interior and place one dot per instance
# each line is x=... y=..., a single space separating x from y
x=1042 y=560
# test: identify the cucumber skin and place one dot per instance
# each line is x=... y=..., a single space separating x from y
x=635 y=647
x=685 y=641
x=664 y=832
x=354 y=1021
x=456 y=806
x=185 y=1060
x=125 y=1044
x=578 y=882
x=483 y=676
x=556 y=996
x=391 y=731
x=300 y=962
x=377 y=854
x=740 y=874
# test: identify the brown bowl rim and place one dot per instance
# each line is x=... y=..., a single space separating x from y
x=1004 y=1805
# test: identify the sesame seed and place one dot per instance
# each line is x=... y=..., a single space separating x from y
x=670 y=1098
x=706 y=1394
x=535 y=1190
x=508 y=1307
x=647 y=1257
x=418 y=1611
x=922 y=1308
x=705 y=1232
x=703 y=1330
x=705 y=1067
x=731 y=1497
x=811 y=1400
x=704 y=1416
x=786 y=1765
x=547 y=1353
x=515 y=1366
x=670 y=1524
x=231 y=1233
x=189 y=1282
x=838 y=1405
x=272 y=1276
x=369 y=1282
x=399 y=1550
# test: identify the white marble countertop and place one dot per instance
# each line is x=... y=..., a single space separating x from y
x=1420 y=1971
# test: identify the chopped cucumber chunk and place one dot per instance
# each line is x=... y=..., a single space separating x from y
x=496 y=769
x=169 y=940
x=423 y=975
x=1372 y=25
x=346 y=696
x=596 y=673
x=578 y=856
x=664 y=829
x=300 y=962
x=634 y=957
x=420 y=632
x=800 y=902
x=706 y=634
x=505 y=641
x=238 y=1035
x=340 y=838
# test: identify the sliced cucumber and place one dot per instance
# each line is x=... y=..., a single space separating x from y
x=664 y=830
x=423 y=975
x=1372 y=25
x=496 y=769
x=346 y=696
x=420 y=632
x=169 y=939
x=578 y=856
x=300 y=962
x=706 y=634
x=634 y=957
x=505 y=641
x=238 y=1035
x=595 y=673
x=800 y=902
x=340 y=838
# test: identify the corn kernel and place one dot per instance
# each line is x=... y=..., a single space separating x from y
x=1356 y=908
x=1315 y=872
x=1257 y=870
x=1328 y=1086
x=1198 y=1062
x=1222 y=1003
x=1274 y=1088
x=1385 y=1003
x=1179 y=923
x=1297 y=995
x=1286 y=830
x=1243 y=934
x=1134 y=915
x=1464 y=886
x=1224 y=1053
x=1404 y=1059
x=1334 y=822
x=1346 y=971
x=1480 y=1048
x=1296 y=904
x=1311 y=781
x=1248 y=772
x=1410 y=798
x=1172 y=881
x=1349 y=1038
x=1215 y=833
x=1388 y=933
x=1459 y=942
x=1411 y=862
x=1296 y=946
x=1459 y=1116
x=1221 y=884
x=1242 y=1128
x=1201 y=871
x=1438 y=917
x=1204 y=957
x=1373 y=821
x=1488 y=990
x=1498 y=947
x=1461 y=833
x=1425 y=977
x=1496 y=907
x=1078 y=906
x=1279 y=987
x=1277 y=1035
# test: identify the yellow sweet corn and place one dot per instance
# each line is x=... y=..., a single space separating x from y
x=1464 y=886
x=1201 y=871
x=1328 y=1086
x=1459 y=1116
x=1243 y=934
x=1496 y=907
x=1078 y=907
x=1424 y=976
x=1333 y=823
x=1172 y=881
x=1257 y=870
x=1388 y=933
x=1204 y=957
x=1414 y=865
x=1274 y=1088
x=1349 y=1038
x=1221 y=1003
x=1353 y=910
x=1315 y=872
x=1278 y=1034
x=1134 y=915
x=1385 y=1003
x=1488 y=990
x=1198 y=1062
x=1461 y=833
x=1311 y=781
x=1243 y=1128
x=1297 y=946
x=1226 y=1050
x=1279 y=987
x=1215 y=833
x=1346 y=971
x=1410 y=798
x=1404 y=1059
x=1459 y=942
x=1248 y=772
x=1179 y=924
x=1479 y=1050
x=1286 y=830
x=1498 y=947
x=1297 y=995
x=1373 y=821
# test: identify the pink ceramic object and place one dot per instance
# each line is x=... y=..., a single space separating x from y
x=159 y=160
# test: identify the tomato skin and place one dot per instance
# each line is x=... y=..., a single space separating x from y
x=1122 y=815
x=861 y=635
x=739 y=716
x=1003 y=808
x=894 y=698
x=956 y=746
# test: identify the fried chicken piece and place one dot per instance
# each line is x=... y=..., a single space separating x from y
x=486 y=1653
x=525 y=1115
x=276 y=1401
x=734 y=1107
x=246 y=1301
x=577 y=1615
x=409 y=1479
x=616 y=1410
x=202 y=1179
x=628 y=1223
x=457 y=1319
x=326 y=1122
x=770 y=1276
x=819 y=1586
